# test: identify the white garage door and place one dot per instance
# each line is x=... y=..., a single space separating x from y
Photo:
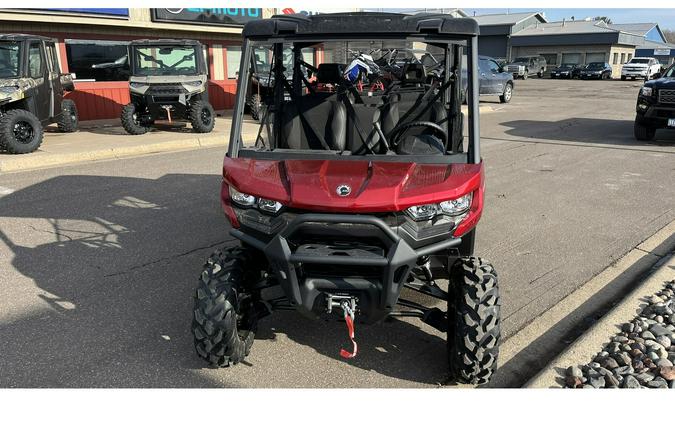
x=571 y=58
x=595 y=57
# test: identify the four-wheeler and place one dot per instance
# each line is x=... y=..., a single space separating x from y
x=168 y=82
x=31 y=92
x=596 y=70
x=355 y=204
x=527 y=66
x=640 y=67
x=655 y=107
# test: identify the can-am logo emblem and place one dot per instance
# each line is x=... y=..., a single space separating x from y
x=343 y=190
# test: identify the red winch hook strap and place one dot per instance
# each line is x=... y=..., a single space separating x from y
x=350 y=327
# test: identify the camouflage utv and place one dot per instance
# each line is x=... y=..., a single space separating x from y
x=31 y=92
x=168 y=82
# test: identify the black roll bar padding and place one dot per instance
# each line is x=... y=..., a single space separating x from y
x=242 y=83
x=456 y=98
x=472 y=101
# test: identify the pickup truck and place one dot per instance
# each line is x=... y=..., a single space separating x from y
x=640 y=67
x=525 y=66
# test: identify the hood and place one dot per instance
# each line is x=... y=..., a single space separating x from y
x=375 y=186
x=667 y=83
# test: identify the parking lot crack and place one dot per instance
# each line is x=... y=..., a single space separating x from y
x=164 y=259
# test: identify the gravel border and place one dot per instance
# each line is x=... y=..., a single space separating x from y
x=642 y=355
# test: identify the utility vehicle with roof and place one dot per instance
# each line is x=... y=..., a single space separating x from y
x=359 y=201
x=31 y=92
x=168 y=82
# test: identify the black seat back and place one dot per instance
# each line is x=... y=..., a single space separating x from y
x=314 y=122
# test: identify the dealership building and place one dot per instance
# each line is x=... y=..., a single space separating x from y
x=90 y=36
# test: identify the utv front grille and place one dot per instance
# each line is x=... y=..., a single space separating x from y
x=167 y=89
x=667 y=96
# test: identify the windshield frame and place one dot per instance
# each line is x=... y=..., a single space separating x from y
x=20 y=53
x=137 y=70
x=468 y=42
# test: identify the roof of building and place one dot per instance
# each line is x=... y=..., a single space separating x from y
x=566 y=27
x=648 y=44
x=507 y=18
x=634 y=28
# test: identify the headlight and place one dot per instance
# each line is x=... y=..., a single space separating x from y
x=453 y=207
x=8 y=90
x=137 y=84
x=246 y=200
x=646 y=91
x=242 y=198
x=193 y=83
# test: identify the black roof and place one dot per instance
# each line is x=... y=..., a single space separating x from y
x=165 y=42
x=23 y=37
x=360 y=24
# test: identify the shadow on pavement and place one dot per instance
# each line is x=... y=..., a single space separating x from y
x=116 y=261
x=596 y=131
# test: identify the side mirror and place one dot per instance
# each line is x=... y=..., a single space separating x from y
x=657 y=75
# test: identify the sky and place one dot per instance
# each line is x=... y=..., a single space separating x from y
x=664 y=17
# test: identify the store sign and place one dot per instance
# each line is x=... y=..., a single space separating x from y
x=206 y=16
x=662 y=52
x=109 y=12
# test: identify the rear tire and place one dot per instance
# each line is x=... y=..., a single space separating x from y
x=224 y=320
x=540 y=74
x=473 y=321
x=508 y=92
x=202 y=117
x=623 y=78
x=131 y=121
x=643 y=132
x=20 y=132
x=69 y=119
x=525 y=75
x=255 y=106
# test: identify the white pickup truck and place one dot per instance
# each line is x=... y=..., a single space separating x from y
x=640 y=67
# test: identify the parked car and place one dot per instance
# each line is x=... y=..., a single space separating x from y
x=493 y=79
x=596 y=70
x=31 y=92
x=566 y=70
x=640 y=67
x=526 y=66
x=655 y=107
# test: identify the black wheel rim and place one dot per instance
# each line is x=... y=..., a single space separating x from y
x=205 y=116
x=23 y=132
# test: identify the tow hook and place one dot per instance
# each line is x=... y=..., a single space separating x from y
x=168 y=111
x=348 y=305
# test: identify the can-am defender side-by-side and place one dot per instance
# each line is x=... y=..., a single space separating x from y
x=168 y=82
x=31 y=92
x=355 y=200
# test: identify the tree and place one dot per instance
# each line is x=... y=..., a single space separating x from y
x=670 y=35
x=607 y=20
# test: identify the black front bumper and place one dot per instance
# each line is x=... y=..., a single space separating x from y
x=656 y=115
x=384 y=268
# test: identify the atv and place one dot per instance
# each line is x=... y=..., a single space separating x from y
x=350 y=202
x=31 y=92
x=168 y=82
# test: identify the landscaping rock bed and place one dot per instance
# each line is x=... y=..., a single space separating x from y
x=642 y=355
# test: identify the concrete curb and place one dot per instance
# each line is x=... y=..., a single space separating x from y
x=592 y=341
x=521 y=354
x=36 y=161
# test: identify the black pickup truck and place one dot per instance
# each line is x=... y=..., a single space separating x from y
x=656 y=105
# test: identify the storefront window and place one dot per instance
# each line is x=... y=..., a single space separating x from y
x=616 y=58
x=623 y=58
x=571 y=58
x=233 y=59
x=98 y=60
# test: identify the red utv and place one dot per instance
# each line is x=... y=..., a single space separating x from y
x=346 y=198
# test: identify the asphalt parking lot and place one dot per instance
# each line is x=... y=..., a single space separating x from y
x=98 y=261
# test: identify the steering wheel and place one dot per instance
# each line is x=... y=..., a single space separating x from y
x=398 y=131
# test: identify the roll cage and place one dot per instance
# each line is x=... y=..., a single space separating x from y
x=452 y=35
